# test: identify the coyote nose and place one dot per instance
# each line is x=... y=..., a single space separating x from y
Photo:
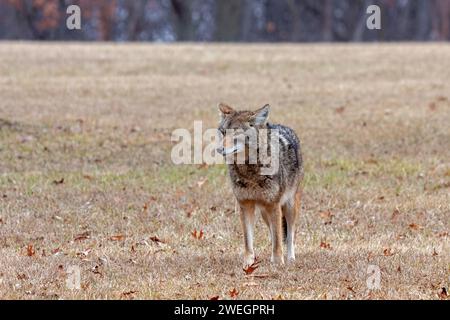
x=220 y=150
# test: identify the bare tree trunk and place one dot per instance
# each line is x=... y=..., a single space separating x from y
x=182 y=16
x=440 y=19
x=327 y=26
x=106 y=20
x=228 y=20
x=136 y=10
x=434 y=20
x=358 y=33
x=404 y=18
x=423 y=19
x=296 y=21
x=247 y=21
x=28 y=18
x=444 y=14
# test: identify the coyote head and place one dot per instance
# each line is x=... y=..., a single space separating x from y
x=239 y=129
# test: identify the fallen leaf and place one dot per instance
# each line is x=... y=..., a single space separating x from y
x=56 y=182
x=117 y=237
x=395 y=214
x=351 y=289
x=30 y=250
x=197 y=234
x=443 y=294
x=325 y=245
x=214 y=298
x=414 y=226
x=135 y=129
x=58 y=218
x=371 y=161
x=96 y=270
x=234 y=293
x=443 y=185
x=22 y=276
x=84 y=254
x=249 y=269
x=251 y=284
x=82 y=236
x=388 y=252
x=351 y=223
x=401 y=236
x=327 y=216
x=434 y=254
x=156 y=239
x=340 y=109
x=128 y=293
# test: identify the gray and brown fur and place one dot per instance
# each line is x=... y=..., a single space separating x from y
x=276 y=196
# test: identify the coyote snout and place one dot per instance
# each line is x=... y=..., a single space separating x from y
x=232 y=144
x=251 y=140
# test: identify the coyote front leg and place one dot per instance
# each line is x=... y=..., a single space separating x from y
x=274 y=215
x=247 y=210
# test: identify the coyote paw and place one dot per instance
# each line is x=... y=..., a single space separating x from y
x=278 y=260
x=249 y=259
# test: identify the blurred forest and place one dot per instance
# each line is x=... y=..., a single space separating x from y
x=226 y=20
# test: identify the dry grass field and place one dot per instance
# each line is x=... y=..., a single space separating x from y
x=86 y=178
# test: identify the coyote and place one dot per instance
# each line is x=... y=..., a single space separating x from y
x=277 y=196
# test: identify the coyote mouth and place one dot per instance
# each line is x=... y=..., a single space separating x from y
x=227 y=151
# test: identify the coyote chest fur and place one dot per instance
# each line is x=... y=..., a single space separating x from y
x=276 y=194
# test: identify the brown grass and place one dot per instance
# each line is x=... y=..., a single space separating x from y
x=86 y=178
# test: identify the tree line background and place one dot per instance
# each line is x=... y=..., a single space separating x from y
x=225 y=20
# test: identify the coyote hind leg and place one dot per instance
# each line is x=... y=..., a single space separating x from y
x=290 y=212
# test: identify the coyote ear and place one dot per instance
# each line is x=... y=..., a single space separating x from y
x=225 y=109
x=261 y=115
